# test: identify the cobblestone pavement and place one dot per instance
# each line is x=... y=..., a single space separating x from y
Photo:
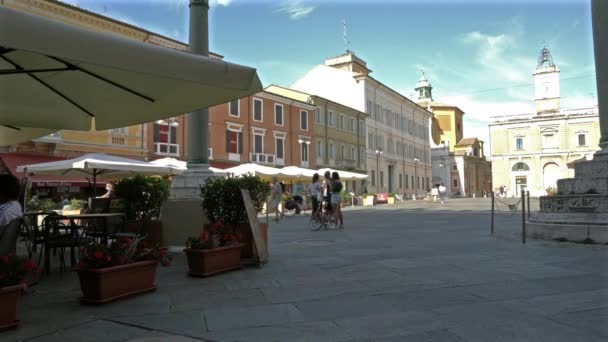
x=416 y=271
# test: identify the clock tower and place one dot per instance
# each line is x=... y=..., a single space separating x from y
x=546 y=84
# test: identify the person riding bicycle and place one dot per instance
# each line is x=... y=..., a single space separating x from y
x=315 y=192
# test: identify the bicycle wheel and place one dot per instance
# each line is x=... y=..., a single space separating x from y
x=315 y=221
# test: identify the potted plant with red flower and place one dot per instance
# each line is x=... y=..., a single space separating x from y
x=223 y=202
x=13 y=273
x=216 y=250
x=125 y=268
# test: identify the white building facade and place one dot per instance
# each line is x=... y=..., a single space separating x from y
x=397 y=129
x=532 y=151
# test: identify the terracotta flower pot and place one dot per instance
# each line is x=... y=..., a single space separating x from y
x=249 y=250
x=207 y=262
x=104 y=285
x=9 y=300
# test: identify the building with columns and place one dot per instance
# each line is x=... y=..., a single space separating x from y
x=532 y=151
x=458 y=163
x=398 y=151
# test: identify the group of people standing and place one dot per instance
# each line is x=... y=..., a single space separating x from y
x=327 y=192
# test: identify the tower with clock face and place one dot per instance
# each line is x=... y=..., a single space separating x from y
x=546 y=84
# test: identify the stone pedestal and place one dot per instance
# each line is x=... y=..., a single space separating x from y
x=579 y=211
x=183 y=215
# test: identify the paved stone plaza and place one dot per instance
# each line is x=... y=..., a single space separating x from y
x=411 y=272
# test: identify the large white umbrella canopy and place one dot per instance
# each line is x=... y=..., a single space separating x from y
x=181 y=165
x=297 y=172
x=98 y=164
x=345 y=175
x=58 y=76
x=253 y=169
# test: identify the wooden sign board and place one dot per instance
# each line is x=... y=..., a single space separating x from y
x=260 y=244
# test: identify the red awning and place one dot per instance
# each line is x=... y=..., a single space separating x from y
x=222 y=165
x=12 y=160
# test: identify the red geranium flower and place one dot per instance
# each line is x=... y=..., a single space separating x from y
x=5 y=258
x=98 y=255
x=29 y=265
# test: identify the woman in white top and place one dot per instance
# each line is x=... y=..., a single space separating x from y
x=315 y=192
x=435 y=193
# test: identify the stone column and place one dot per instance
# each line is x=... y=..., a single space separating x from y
x=182 y=215
x=198 y=121
x=599 y=14
x=187 y=186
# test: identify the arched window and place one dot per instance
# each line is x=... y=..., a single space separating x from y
x=520 y=167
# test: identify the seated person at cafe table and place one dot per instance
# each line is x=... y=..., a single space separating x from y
x=10 y=208
x=109 y=193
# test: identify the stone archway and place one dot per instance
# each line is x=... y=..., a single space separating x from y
x=551 y=173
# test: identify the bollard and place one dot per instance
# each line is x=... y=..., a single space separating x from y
x=523 y=216
x=492 y=215
x=528 y=203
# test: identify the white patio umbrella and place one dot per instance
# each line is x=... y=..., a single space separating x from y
x=297 y=172
x=345 y=175
x=254 y=169
x=181 y=165
x=98 y=164
x=58 y=76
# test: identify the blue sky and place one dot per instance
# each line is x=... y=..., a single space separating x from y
x=478 y=55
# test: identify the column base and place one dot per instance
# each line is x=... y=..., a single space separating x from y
x=188 y=185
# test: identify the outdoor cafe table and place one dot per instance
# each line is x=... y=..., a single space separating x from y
x=73 y=218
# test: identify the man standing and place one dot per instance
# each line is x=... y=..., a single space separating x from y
x=10 y=209
x=442 y=191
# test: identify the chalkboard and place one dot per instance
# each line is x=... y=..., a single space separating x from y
x=260 y=244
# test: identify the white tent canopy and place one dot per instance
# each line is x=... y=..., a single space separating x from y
x=58 y=76
x=180 y=165
x=345 y=175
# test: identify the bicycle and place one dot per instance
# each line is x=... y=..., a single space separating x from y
x=322 y=218
x=302 y=206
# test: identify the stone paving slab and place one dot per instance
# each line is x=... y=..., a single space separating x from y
x=323 y=331
x=255 y=316
x=390 y=324
x=90 y=332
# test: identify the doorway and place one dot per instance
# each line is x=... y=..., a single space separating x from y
x=521 y=183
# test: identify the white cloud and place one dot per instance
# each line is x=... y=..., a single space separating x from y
x=296 y=9
x=220 y=2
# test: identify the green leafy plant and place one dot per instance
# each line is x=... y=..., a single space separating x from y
x=223 y=202
x=120 y=252
x=37 y=204
x=75 y=204
x=14 y=269
x=391 y=194
x=143 y=196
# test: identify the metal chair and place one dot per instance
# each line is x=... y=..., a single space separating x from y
x=58 y=236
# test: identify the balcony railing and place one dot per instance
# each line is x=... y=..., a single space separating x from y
x=166 y=149
x=234 y=157
x=304 y=163
x=119 y=140
x=262 y=158
x=346 y=163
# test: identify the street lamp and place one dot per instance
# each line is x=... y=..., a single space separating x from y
x=378 y=153
x=416 y=160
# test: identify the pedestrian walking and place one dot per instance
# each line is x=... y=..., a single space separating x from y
x=442 y=191
x=275 y=198
x=336 y=198
x=435 y=193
